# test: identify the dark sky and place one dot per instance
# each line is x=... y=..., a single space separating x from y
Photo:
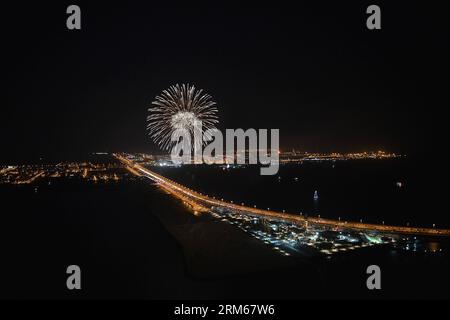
x=311 y=69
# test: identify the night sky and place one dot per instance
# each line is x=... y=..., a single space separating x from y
x=312 y=69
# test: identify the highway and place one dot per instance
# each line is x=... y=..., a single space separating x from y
x=32 y=179
x=196 y=199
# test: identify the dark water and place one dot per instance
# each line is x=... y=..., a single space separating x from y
x=112 y=231
x=352 y=190
x=108 y=230
x=115 y=234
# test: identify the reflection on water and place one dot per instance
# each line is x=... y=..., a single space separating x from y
x=433 y=246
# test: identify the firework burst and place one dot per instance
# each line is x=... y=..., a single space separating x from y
x=180 y=107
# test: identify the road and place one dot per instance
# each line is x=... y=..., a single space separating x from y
x=195 y=199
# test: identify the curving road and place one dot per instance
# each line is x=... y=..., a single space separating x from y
x=196 y=198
